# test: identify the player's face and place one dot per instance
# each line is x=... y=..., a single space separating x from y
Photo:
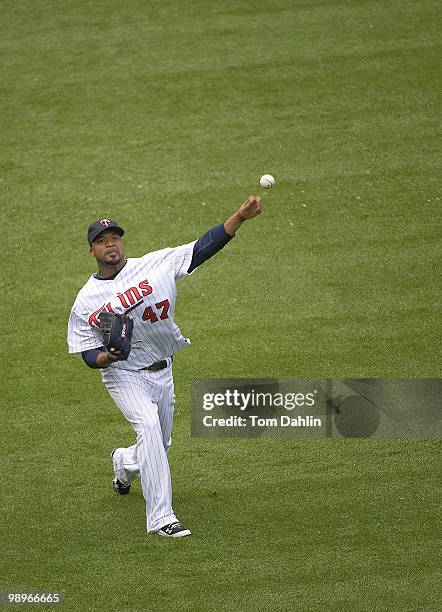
x=107 y=248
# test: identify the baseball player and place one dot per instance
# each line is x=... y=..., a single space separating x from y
x=140 y=379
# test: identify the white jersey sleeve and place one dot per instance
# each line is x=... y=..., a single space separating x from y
x=81 y=336
x=181 y=258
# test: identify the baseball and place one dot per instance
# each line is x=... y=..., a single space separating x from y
x=267 y=181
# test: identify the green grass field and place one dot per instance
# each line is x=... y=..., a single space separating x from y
x=163 y=115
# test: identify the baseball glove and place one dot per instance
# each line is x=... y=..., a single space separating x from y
x=116 y=334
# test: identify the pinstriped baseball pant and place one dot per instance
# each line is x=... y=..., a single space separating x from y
x=146 y=399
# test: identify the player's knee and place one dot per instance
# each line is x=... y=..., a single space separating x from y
x=147 y=424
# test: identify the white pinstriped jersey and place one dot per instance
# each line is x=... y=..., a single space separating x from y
x=144 y=289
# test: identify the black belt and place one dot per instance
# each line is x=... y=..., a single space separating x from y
x=157 y=366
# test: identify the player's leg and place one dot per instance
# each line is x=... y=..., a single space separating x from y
x=136 y=397
x=166 y=402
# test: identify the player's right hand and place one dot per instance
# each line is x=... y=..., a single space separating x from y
x=250 y=208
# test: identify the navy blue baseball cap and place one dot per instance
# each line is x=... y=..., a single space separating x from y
x=95 y=229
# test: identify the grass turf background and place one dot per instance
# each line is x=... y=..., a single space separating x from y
x=164 y=115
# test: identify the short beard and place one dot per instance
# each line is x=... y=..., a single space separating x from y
x=113 y=262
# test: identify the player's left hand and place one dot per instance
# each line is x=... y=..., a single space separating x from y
x=250 y=208
x=114 y=354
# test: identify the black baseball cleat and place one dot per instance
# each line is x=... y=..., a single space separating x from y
x=174 y=530
x=117 y=485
